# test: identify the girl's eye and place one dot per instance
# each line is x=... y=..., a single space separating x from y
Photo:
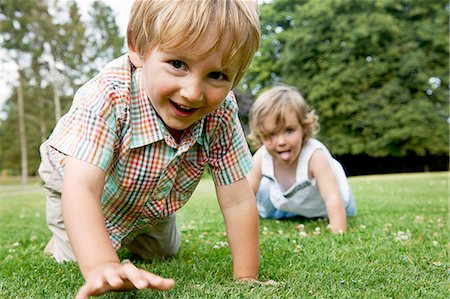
x=177 y=64
x=217 y=76
x=268 y=136
x=290 y=130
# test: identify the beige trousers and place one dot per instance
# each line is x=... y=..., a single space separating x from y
x=162 y=240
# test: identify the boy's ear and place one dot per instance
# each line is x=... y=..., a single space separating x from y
x=135 y=59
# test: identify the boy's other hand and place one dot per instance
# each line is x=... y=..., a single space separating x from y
x=249 y=280
x=121 y=277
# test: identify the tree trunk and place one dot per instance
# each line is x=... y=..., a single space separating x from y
x=57 y=101
x=40 y=100
x=22 y=133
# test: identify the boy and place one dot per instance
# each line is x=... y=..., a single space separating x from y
x=135 y=142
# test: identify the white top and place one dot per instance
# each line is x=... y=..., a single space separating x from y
x=303 y=197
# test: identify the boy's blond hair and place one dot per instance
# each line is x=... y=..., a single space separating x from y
x=276 y=102
x=181 y=24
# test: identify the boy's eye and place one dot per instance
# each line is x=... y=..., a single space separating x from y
x=217 y=76
x=177 y=64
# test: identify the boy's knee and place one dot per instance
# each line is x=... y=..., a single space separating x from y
x=163 y=240
x=169 y=251
x=149 y=247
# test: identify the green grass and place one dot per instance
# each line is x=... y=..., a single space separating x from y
x=373 y=260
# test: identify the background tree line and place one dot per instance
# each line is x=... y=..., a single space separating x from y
x=376 y=72
x=55 y=51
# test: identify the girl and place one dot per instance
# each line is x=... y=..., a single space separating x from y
x=293 y=173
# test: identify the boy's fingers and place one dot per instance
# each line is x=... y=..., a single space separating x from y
x=134 y=275
x=114 y=279
x=157 y=282
x=258 y=282
x=87 y=290
x=270 y=282
x=125 y=277
x=142 y=279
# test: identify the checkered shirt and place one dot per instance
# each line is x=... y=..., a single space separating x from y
x=149 y=176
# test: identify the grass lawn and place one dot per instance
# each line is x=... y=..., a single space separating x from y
x=396 y=247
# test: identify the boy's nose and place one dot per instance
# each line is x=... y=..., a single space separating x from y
x=192 y=90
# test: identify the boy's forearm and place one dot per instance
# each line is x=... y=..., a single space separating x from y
x=87 y=232
x=82 y=189
x=241 y=223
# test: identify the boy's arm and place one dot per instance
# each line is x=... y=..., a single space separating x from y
x=320 y=169
x=98 y=261
x=255 y=175
x=238 y=206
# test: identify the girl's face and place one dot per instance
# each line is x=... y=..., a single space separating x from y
x=184 y=86
x=283 y=144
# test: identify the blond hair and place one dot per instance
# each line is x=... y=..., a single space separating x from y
x=181 y=24
x=276 y=102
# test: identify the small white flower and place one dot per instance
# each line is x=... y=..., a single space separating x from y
x=387 y=227
x=402 y=237
x=419 y=219
x=297 y=249
x=220 y=244
x=316 y=231
x=303 y=234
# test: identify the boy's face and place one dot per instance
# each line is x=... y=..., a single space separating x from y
x=184 y=86
x=283 y=144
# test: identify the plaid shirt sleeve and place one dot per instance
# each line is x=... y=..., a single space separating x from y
x=230 y=157
x=88 y=131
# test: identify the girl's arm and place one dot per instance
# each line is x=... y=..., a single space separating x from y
x=320 y=169
x=238 y=206
x=255 y=175
x=98 y=261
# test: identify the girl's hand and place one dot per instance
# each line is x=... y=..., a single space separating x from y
x=121 y=277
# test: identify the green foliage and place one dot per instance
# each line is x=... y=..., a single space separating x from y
x=396 y=247
x=376 y=72
x=54 y=50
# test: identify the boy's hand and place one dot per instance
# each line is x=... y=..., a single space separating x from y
x=121 y=277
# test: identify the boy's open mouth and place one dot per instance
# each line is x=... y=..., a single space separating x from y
x=182 y=109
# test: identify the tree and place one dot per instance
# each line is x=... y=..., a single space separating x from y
x=375 y=71
x=18 y=35
x=55 y=54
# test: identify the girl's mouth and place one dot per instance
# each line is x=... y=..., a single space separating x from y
x=285 y=155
